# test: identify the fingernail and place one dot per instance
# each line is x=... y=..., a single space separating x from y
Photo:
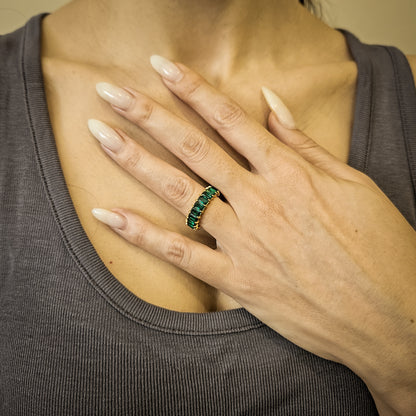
x=110 y=218
x=279 y=108
x=166 y=68
x=114 y=95
x=105 y=135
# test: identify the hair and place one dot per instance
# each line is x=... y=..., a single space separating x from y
x=312 y=5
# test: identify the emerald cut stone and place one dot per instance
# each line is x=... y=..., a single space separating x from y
x=194 y=226
x=204 y=199
x=199 y=204
x=211 y=191
x=196 y=211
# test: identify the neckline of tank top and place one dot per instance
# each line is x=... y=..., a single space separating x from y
x=75 y=238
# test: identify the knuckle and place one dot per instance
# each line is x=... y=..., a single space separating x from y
x=293 y=174
x=191 y=86
x=267 y=147
x=194 y=146
x=301 y=177
x=138 y=234
x=228 y=114
x=178 y=190
x=133 y=161
x=177 y=251
x=143 y=111
x=267 y=206
x=304 y=143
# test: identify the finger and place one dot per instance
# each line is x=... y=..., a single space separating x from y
x=185 y=141
x=241 y=131
x=171 y=184
x=309 y=149
x=282 y=125
x=195 y=258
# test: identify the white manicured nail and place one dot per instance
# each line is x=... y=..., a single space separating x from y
x=279 y=108
x=114 y=95
x=166 y=68
x=110 y=218
x=105 y=135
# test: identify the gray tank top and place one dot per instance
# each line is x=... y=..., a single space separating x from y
x=74 y=341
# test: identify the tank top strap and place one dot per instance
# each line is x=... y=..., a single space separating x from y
x=406 y=94
x=384 y=134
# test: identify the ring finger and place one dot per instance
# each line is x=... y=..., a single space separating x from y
x=171 y=184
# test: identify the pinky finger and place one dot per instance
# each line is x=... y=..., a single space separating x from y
x=204 y=263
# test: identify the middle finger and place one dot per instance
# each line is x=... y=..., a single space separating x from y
x=206 y=158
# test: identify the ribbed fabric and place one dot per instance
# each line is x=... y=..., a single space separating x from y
x=383 y=141
x=74 y=341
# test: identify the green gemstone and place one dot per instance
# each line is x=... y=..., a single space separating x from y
x=204 y=199
x=196 y=211
x=211 y=191
x=200 y=205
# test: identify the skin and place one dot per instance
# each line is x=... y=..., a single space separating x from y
x=328 y=217
x=323 y=221
x=313 y=73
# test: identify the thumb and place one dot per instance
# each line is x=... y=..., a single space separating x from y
x=282 y=125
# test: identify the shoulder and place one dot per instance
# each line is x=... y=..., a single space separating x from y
x=412 y=62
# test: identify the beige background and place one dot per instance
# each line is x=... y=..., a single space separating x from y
x=388 y=22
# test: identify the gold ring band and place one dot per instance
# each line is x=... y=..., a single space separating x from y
x=195 y=214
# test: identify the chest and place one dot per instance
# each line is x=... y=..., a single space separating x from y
x=94 y=180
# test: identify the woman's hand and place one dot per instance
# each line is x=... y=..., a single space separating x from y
x=307 y=244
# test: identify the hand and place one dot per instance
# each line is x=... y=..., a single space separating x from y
x=307 y=244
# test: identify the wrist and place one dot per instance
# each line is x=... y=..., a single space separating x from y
x=381 y=351
x=390 y=375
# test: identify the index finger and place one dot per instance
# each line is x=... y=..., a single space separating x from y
x=241 y=131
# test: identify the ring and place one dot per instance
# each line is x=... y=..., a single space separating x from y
x=195 y=214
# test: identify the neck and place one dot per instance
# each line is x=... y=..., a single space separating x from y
x=218 y=38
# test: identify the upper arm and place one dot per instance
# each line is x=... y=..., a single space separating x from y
x=412 y=62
